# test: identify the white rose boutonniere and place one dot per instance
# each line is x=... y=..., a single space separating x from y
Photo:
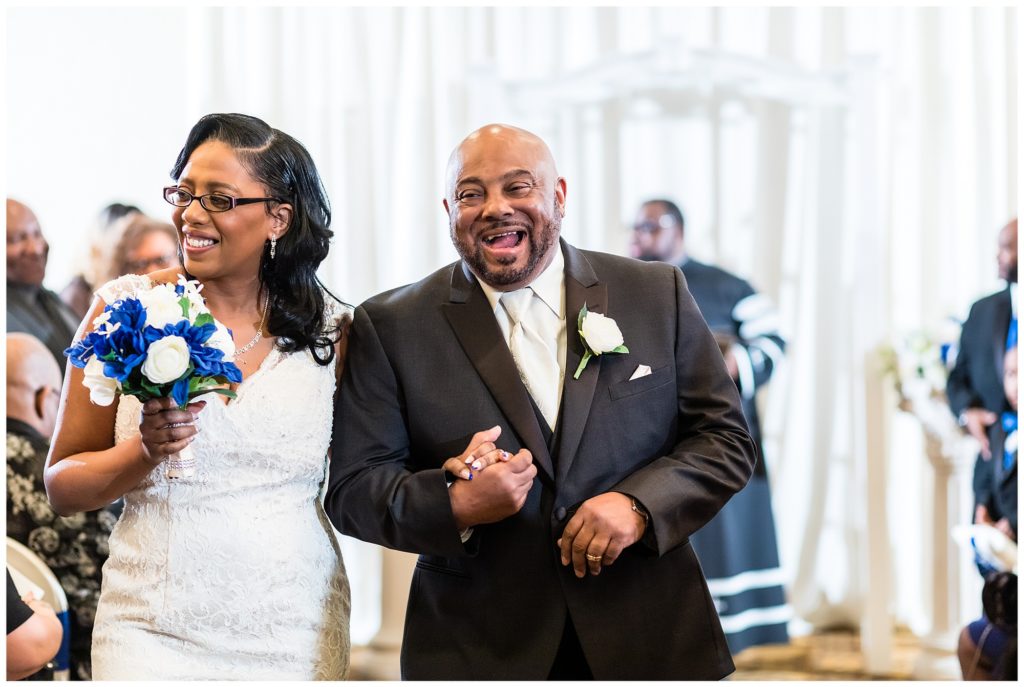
x=599 y=334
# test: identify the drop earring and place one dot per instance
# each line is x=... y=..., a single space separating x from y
x=273 y=247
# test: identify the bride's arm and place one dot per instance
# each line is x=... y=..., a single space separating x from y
x=85 y=470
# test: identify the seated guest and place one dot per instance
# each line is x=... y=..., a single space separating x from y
x=75 y=547
x=987 y=648
x=34 y=633
x=139 y=245
x=32 y=308
x=78 y=294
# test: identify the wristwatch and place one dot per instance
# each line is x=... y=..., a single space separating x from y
x=637 y=508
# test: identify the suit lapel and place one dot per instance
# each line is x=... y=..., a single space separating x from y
x=470 y=316
x=581 y=286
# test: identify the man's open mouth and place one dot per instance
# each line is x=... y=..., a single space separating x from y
x=507 y=239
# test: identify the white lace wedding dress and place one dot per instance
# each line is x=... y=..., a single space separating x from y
x=233 y=573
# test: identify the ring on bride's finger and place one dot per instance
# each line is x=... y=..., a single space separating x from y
x=591 y=557
x=178 y=424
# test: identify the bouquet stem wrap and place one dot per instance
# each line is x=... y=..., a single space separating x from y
x=181 y=464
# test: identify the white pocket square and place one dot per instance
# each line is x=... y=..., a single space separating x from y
x=641 y=371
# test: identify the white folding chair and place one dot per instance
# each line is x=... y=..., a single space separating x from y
x=23 y=560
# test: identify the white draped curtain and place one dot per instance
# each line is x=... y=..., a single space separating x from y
x=854 y=163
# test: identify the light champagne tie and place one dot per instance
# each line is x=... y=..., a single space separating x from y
x=536 y=358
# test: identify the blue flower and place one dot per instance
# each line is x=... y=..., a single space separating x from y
x=180 y=391
x=79 y=354
x=128 y=313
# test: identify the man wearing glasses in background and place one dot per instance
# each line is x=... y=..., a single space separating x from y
x=31 y=307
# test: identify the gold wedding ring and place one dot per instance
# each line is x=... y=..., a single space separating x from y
x=594 y=558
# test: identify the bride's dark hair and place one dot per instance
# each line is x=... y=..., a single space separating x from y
x=285 y=167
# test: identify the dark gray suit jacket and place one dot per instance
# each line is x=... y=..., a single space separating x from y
x=427 y=367
x=976 y=380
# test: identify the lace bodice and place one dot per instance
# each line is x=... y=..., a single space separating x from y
x=233 y=572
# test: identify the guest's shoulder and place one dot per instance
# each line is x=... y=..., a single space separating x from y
x=993 y=299
x=694 y=269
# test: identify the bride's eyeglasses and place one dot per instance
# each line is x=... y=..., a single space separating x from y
x=211 y=202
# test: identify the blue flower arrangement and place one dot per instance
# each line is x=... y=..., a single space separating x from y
x=162 y=342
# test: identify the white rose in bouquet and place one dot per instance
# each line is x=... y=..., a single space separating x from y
x=101 y=388
x=166 y=360
x=601 y=333
x=162 y=306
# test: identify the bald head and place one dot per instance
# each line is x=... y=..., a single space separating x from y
x=1007 y=255
x=33 y=383
x=26 y=247
x=493 y=139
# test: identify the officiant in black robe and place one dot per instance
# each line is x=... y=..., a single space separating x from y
x=737 y=549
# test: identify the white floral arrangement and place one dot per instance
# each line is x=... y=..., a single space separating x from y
x=919 y=358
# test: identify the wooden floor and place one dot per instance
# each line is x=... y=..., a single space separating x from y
x=831 y=655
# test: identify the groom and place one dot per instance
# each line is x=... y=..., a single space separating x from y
x=566 y=555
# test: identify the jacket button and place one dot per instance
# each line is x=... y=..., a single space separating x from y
x=560 y=513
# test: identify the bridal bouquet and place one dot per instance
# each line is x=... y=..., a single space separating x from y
x=161 y=342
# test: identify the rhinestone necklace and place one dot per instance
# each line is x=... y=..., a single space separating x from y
x=259 y=334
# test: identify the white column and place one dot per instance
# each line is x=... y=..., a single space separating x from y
x=380 y=659
x=952 y=602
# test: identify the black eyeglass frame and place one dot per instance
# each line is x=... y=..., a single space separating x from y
x=168 y=190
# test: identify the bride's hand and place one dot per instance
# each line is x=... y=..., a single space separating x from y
x=480 y=453
x=166 y=429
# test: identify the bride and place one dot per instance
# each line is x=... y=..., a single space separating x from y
x=234 y=572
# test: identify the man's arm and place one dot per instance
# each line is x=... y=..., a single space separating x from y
x=372 y=493
x=760 y=348
x=377 y=493
x=664 y=502
x=964 y=400
x=34 y=633
x=959 y=386
x=713 y=456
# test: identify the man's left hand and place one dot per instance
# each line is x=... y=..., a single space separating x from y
x=1003 y=525
x=599 y=531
